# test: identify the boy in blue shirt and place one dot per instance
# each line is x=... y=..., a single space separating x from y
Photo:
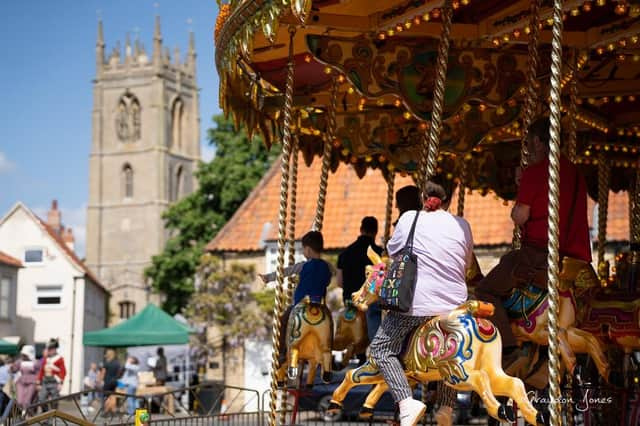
x=315 y=276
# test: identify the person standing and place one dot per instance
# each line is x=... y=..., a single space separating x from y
x=351 y=271
x=52 y=374
x=130 y=380
x=160 y=370
x=26 y=370
x=111 y=371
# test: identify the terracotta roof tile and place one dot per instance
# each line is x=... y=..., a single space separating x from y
x=349 y=199
x=5 y=259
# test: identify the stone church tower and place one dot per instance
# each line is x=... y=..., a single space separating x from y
x=146 y=144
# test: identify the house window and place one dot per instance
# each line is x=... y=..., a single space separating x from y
x=48 y=295
x=127 y=178
x=33 y=256
x=5 y=292
x=127 y=309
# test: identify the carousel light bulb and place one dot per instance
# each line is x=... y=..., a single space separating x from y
x=399 y=28
x=382 y=36
x=605 y=100
x=527 y=30
x=380 y=102
x=516 y=33
x=350 y=90
x=455 y=5
x=426 y=17
x=360 y=107
x=464 y=2
x=327 y=70
x=621 y=132
x=500 y=110
x=424 y=126
x=406 y=115
x=587 y=6
x=611 y=47
x=368 y=158
x=600 y=50
x=482 y=107
x=549 y=21
x=466 y=107
x=636 y=58
x=634 y=11
x=390 y=32
x=621 y=57
x=632 y=98
x=417 y=20
x=435 y=13
x=397 y=103
x=621 y=8
x=633 y=39
x=496 y=42
x=307 y=58
x=506 y=38
x=575 y=12
x=316 y=132
x=618 y=99
x=362 y=101
x=408 y=24
x=341 y=78
x=601 y=2
x=622 y=42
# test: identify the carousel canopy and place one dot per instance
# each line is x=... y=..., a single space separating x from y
x=382 y=58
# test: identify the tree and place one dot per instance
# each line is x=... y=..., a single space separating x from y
x=223 y=184
x=225 y=298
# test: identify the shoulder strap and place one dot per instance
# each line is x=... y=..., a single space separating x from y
x=409 y=242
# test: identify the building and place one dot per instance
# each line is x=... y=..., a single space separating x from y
x=250 y=235
x=58 y=296
x=9 y=267
x=145 y=148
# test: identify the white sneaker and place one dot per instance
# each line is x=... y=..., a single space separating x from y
x=411 y=411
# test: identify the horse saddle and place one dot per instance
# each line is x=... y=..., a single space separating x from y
x=523 y=301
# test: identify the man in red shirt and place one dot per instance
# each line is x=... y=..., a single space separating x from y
x=528 y=265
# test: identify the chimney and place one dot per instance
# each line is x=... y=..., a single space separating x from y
x=69 y=239
x=54 y=218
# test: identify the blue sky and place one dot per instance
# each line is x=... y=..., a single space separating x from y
x=48 y=62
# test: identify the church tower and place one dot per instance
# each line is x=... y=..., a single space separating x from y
x=146 y=145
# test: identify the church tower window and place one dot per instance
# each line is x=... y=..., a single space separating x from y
x=177 y=189
x=127 y=178
x=176 y=123
x=128 y=120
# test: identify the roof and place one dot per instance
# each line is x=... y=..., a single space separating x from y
x=70 y=254
x=350 y=198
x=5 y=259
x=150 y=327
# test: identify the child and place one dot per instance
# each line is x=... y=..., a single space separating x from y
x=315 y=276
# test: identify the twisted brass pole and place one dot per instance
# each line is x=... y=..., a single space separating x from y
x=389 y=208
x=604 y=172
x=554 y=210
x=293 y=191
x=438 y=97
x=326 y=156
x=278 y=307
x=461 y=186
x=634 y=195
x=531 y=99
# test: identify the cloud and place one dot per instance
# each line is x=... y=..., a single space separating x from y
x=74 y=218
x=6 y=166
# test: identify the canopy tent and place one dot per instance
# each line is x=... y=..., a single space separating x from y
x=9 y=346
x=151 y=326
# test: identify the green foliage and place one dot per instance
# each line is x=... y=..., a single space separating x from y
x=225 y=298
x=223 y=184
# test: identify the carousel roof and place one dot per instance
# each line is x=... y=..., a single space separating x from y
x=382 y=56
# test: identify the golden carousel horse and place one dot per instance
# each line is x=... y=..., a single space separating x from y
x=528 y=311
x=309 y=338
x=462 y=347
x=351 y=332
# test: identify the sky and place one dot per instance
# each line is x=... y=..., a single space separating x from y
x=48 y=63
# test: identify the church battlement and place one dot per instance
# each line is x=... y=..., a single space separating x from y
x=135 y=57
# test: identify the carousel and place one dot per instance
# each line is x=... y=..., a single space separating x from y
x=449 y=87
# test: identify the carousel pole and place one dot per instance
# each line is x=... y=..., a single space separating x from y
x=531 y=99
x=293 y=194
x=604 y=172
x=389 y=208
x=326 y=156
x=429 y=162
x=461 y=186
x=282 y=222
x=554 y=210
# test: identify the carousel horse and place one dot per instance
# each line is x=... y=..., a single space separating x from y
x=462 y=347
x=309 y=338
x=528 y=311
x=351 y=332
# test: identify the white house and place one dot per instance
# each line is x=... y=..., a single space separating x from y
x=58 y=296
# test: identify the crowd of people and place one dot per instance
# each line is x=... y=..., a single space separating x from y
x=443 y=244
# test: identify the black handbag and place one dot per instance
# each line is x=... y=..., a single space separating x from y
x=399 y=285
